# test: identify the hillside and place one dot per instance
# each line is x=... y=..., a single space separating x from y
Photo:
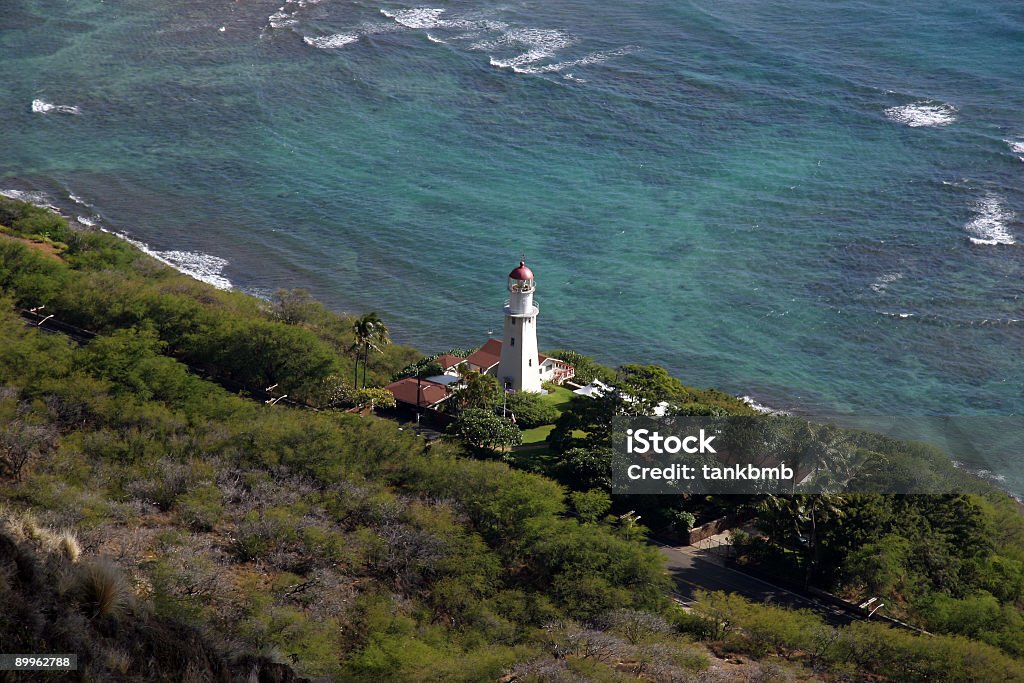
x=162 y=525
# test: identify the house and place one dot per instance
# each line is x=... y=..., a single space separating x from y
x=488 y=357
x=449 y=363
x=422 y=393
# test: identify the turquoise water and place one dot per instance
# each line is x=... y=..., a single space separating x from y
x=814 y=203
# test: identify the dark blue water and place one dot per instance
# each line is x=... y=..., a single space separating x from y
x=814 y=203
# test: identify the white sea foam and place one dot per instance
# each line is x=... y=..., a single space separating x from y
x=1017 y=147
x=43 y=107
x=883 y=281
x=78 y=200
x=923 y=113
x=434 y=39
x=36 y=198
x=203 y=267
x=286 y=16
x=592 y=58
x=332 y=42
x=983 y=473
x=437 y=18
x=420 y=17
x=540 y=43
x=761 y=408
x=518 y=61
x=281 y=19
x=990 y=223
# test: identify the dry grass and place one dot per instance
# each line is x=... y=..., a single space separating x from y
x=118 y=660
x=24 y=527
x=68 y=546
x=101 y=589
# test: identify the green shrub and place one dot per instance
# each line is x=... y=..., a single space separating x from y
x=530 y=410
x=200 y=508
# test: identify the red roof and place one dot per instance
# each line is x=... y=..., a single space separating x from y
x=447 y=361
x=488 y=355
x=429 y=393
x=521 y=273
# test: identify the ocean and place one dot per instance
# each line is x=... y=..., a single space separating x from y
x=816 y=204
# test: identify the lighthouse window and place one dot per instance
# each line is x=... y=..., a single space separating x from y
x=513 y=341
x=531 y=362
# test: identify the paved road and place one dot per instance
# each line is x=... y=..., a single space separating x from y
x=692 y=572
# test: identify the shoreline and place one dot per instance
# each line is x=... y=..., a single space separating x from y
x=195 y=266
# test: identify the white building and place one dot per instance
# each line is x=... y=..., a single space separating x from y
x=519 y=367
x=514 y=359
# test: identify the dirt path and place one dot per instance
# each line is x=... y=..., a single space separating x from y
x=48 y=249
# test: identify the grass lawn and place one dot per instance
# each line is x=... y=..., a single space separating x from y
x=559 y=398
x=539 y=435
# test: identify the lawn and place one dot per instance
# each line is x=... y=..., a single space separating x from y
x=559 y=398
x=539 y=435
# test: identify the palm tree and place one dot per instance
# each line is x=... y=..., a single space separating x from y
x=370 y=333
x=795 y=518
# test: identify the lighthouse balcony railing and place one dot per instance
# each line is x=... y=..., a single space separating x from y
x=534 y=305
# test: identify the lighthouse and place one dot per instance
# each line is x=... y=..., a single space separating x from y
x=519 y=368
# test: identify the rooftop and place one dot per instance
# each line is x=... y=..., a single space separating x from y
x=487 y=356
x=429 y=393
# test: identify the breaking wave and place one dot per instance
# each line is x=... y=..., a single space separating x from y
x=925 y=113
x=1017 y=147
x=332 y=42
x=203 y=267
x=883 y=281
x=990 y=223
x=43 y=107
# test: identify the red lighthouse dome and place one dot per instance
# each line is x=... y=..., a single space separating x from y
x=521 y=273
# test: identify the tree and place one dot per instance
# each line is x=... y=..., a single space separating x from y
x=586 y=368
x=590 y=505
x=331 y=392
x=649 y=385
x=824 y=452
x=588 y=468
x=370 y=333
x=880 y=566
x=795 y=520
x=294 y=306
x=374 y=398
x=478 y=391
x=682 y=521
x=531 y=410
x=485 y=432
x=590 y=415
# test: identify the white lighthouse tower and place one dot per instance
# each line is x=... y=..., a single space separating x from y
x=519 y=367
